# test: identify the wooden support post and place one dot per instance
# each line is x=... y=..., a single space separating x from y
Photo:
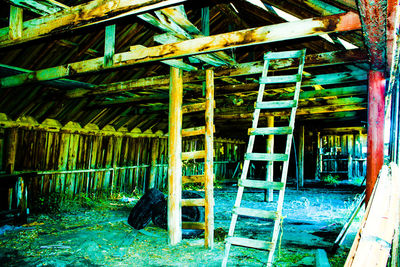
x=208 y=164
x=175 y=157
x=300 y=163
x=350 y=167
x=205 y=21
x=376 y=123
x=16 y=21
x=109 y=46
x=319 y=157
x=154 y=156
x=270 y=164
x=11 y=149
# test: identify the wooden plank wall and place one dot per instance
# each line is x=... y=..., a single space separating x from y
x=343 y=153
x=72 y=160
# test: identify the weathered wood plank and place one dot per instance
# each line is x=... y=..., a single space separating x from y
x=16 y=20
x=308 y=27
x=94 y=12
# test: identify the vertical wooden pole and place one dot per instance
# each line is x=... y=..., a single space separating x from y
x=109 y=45
x=175 y=157
x=11 y=149
x=301 y=156
x=319 y=157
x=376 y=123
x=154 y=155
x=270 y=164
x=208 y=164
x=205 y=21
x=15 y=23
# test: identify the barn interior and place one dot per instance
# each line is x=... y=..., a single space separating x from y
x=102 y=101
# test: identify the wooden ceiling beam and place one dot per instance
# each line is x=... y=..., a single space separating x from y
x=261 y=35
x=321 y=79
x=312 y=60
x=300 y=111
x=83 y=15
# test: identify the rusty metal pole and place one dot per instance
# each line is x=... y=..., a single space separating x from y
x=376 y=124
x=175 y=157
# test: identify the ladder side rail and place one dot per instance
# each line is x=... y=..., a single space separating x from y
x=285 y=168
x=246 y=164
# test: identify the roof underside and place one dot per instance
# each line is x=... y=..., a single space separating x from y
x=134 y=93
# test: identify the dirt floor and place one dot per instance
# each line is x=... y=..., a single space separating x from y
x=95 y=233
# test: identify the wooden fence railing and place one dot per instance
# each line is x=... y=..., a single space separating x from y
x=71 y=159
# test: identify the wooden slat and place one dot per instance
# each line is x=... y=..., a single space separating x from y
x=201 y=154
x=193 y=225
x=270 y=131
x=281 y=79
x=266 y=157
x=193 y=108
x=261 y=184
x=194 y=202
x=193 y=179
x=266 y=214
x=276 y=104
x=283 y=55
x=193 y=131
x=251 y=243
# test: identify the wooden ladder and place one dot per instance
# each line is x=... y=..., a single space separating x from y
x=275 y=215
x=207 y=154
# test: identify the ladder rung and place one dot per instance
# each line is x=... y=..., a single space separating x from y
x=193 y=202
x=193 y=179
x=195 y=107
x=281 y=79
x=276 y=104
x=270 y=131
x=194 y=225
x=266 y=214
x=193 y=131
x=266 y=157
x=284 y=54
x=261 y=184
x=251 y=243
x=201 y=154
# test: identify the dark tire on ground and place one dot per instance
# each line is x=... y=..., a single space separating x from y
x=141 y=213
x=189 y=214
